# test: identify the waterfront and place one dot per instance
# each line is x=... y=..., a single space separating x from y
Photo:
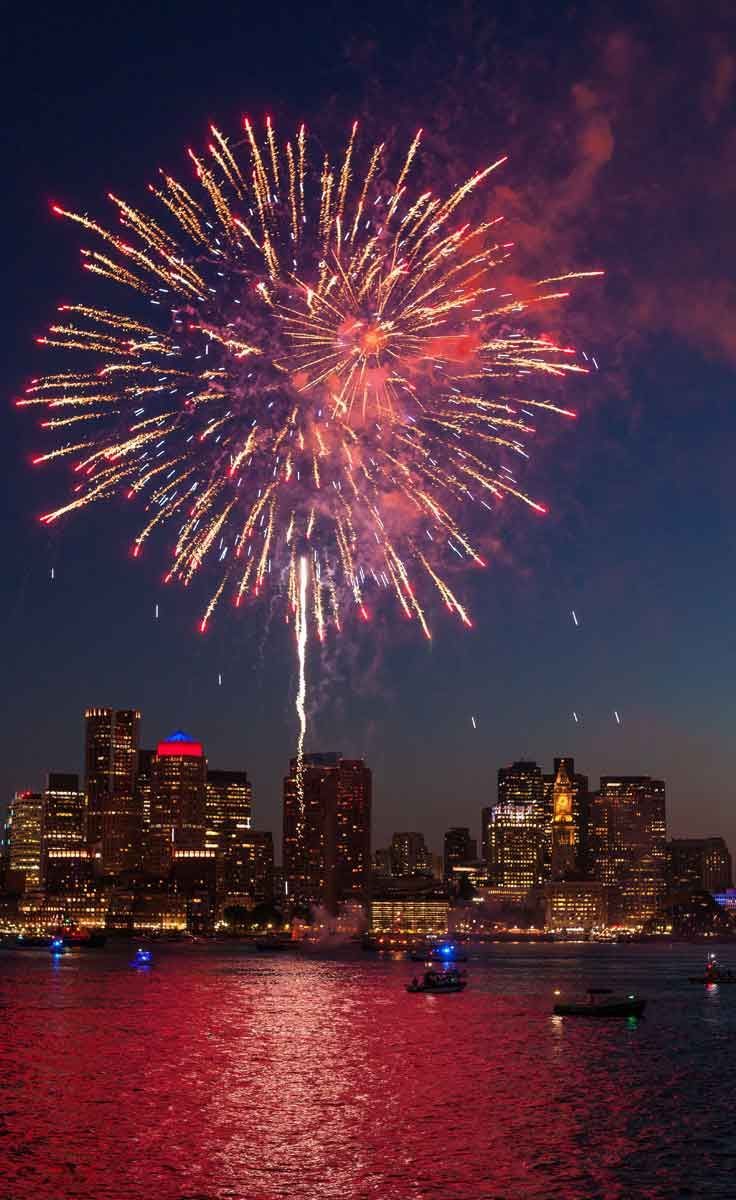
x=220 y=1073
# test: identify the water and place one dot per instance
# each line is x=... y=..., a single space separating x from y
x=220 y=1074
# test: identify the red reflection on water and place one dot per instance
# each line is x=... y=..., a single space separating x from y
x=221 y=1075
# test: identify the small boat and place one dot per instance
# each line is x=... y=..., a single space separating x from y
x=713 y=973
x=57 y=946
x=271 y=945
x=143 y=958
x=439 y=982
x=601 y=1003
x=446 y=952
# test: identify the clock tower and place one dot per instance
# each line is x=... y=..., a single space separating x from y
x=564 y=839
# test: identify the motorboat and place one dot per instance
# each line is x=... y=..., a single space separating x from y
x=445 y=952
x=142 y=957
x=439 y=982
x=601 y=1002
x=714 y=973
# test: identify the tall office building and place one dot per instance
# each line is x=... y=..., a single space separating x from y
x=515 y=829
x=113 y=808
x=578 y=789
x=144 y=783
x=66 y=859
x=25 y=858
x=178 y=820
x=326 y=834
x=459 y=848
x=229 y=803
x=628 y=837
x=699 y=863
x=409 y=855
x=65 y=812
x=248 y=867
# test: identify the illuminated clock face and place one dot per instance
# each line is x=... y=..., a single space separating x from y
x=563 y=804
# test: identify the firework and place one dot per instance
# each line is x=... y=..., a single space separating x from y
x=317 y=380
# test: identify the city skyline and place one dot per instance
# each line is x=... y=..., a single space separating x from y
x=536 y=788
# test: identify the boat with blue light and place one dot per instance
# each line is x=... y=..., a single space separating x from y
x=143 y=958
x=444 y=952
x=57 y=946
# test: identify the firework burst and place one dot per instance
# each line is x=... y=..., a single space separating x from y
x=319 y=379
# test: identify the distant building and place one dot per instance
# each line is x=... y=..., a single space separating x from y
x=515 y=829
x=564 y=832
x=699 y=863
x=577 y=787
x=178 y=819
x=144 y=781
x=25 y=837
x=247 y=869
x=409 y=916
x=628 y=836
x=326 y=834
x=383 y=863
x=409 y=855
x=114 y=817
x=459 y=848
x=66 y=858
x=577 y=904
x=229 y=799
x=196 y=875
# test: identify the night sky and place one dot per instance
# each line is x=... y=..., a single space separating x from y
x=621 y=132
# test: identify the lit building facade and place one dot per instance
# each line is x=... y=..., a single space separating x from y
x=229 y=799
x=178 y=816
x=577 y=904
x=326 y=834
x=515 y=833
x=114 y=819
x=699 y=863
x=65 y=853
x=409 y=916
x=458 y=848
x=628 y=844
x=409 y=855
x=25 y=837
x=577 y=787
x=564 y=856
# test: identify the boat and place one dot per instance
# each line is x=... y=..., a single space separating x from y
x=714 y=973
x=446 y=952
x=274 y=945
x=601 y=1002
x=143 y=958
x=439 y=982
x=57 y=946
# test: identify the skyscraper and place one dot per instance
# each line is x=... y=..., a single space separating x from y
x=229 y=801
x=25 y=860
x=178 y=820
x=409 y=855
x=699 y=863
x=515 y=832
x=111 y=762
x=326 y=842
x=66 y=859
x=628 y=835
x=459 y=848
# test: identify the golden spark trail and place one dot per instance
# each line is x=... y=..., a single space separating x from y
x=301 y=617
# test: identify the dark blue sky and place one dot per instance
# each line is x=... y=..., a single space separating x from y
x=622 y=141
